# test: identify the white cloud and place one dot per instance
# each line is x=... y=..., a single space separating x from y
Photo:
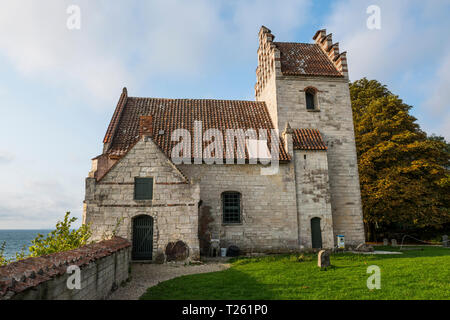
x=28 y=203
x=404 y=52
x=119 y=44
x=374 y=53
x=34 y=36
x=125 y=44
x=6 y=157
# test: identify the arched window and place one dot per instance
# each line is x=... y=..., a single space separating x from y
x=311 y=99
x=231 y=207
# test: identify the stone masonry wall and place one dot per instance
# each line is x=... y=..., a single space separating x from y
x=103 y=267
x=174 y=207
x=267 y=95
x=268 y=205
x=313 y=195
x=334 y=121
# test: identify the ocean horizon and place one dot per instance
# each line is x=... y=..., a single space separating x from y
x=16 y=239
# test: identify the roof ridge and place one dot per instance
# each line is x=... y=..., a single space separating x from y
x=198 y=99
x=293 y=42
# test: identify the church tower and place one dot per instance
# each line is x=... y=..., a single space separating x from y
x=307 y=86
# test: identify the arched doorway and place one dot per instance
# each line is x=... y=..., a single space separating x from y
x=316 y=233
x=142 y=238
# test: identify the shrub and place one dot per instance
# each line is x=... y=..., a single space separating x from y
x=109 y=235
x=3 y=260
x=61 y=239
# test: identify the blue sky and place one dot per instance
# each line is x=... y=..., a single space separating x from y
x=59 y=87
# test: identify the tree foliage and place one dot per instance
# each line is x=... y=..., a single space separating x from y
x=63 y=238
x=3 y=260
x=404 y=173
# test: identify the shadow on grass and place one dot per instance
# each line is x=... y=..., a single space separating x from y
x=230 y=284
x=423 y=251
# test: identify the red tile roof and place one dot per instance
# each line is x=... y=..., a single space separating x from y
x=308 y=139
x=171 y=114
x=116 y=116
x=305 y=59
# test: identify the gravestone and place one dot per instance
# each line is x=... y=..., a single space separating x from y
x=394 y=242
x=323 y=259
x=176 y=251
x=385 y=242
x=445 y=242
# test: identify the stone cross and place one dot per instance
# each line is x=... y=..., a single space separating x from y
x=385 y=242
x=323 y=260
x=445 y=242
x=394 y=242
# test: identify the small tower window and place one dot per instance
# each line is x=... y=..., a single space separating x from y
x=311 y=99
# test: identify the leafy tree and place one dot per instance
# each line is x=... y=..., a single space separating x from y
x=3 y=260
x=61 y=239
x=404 y=174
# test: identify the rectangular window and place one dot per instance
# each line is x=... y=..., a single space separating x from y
x=231 y=202
x=143 y=188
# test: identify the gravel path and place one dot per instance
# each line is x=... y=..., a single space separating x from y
x=144 y=276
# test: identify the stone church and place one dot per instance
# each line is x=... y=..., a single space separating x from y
x=137 y=190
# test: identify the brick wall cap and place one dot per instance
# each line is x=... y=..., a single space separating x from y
x=28 y=273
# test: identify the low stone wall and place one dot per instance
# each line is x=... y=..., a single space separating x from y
x=103 y=267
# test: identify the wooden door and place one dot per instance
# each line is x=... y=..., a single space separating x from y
x=316 y=233
x=142 y=238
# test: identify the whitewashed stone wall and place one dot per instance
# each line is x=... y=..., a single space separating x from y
x=335 y=122
x=268 y=203
x=313 y=196
x=174 y=207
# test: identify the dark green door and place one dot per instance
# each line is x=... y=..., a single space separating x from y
x=142 y=238
x=316 y=234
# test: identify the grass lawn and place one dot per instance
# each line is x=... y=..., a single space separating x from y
x=415 y=274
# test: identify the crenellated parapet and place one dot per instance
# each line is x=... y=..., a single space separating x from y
x=268 y=59
x=325 y=42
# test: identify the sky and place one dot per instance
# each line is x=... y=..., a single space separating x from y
x=59 y=86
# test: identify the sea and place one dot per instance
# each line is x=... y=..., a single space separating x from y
x=16 y=239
